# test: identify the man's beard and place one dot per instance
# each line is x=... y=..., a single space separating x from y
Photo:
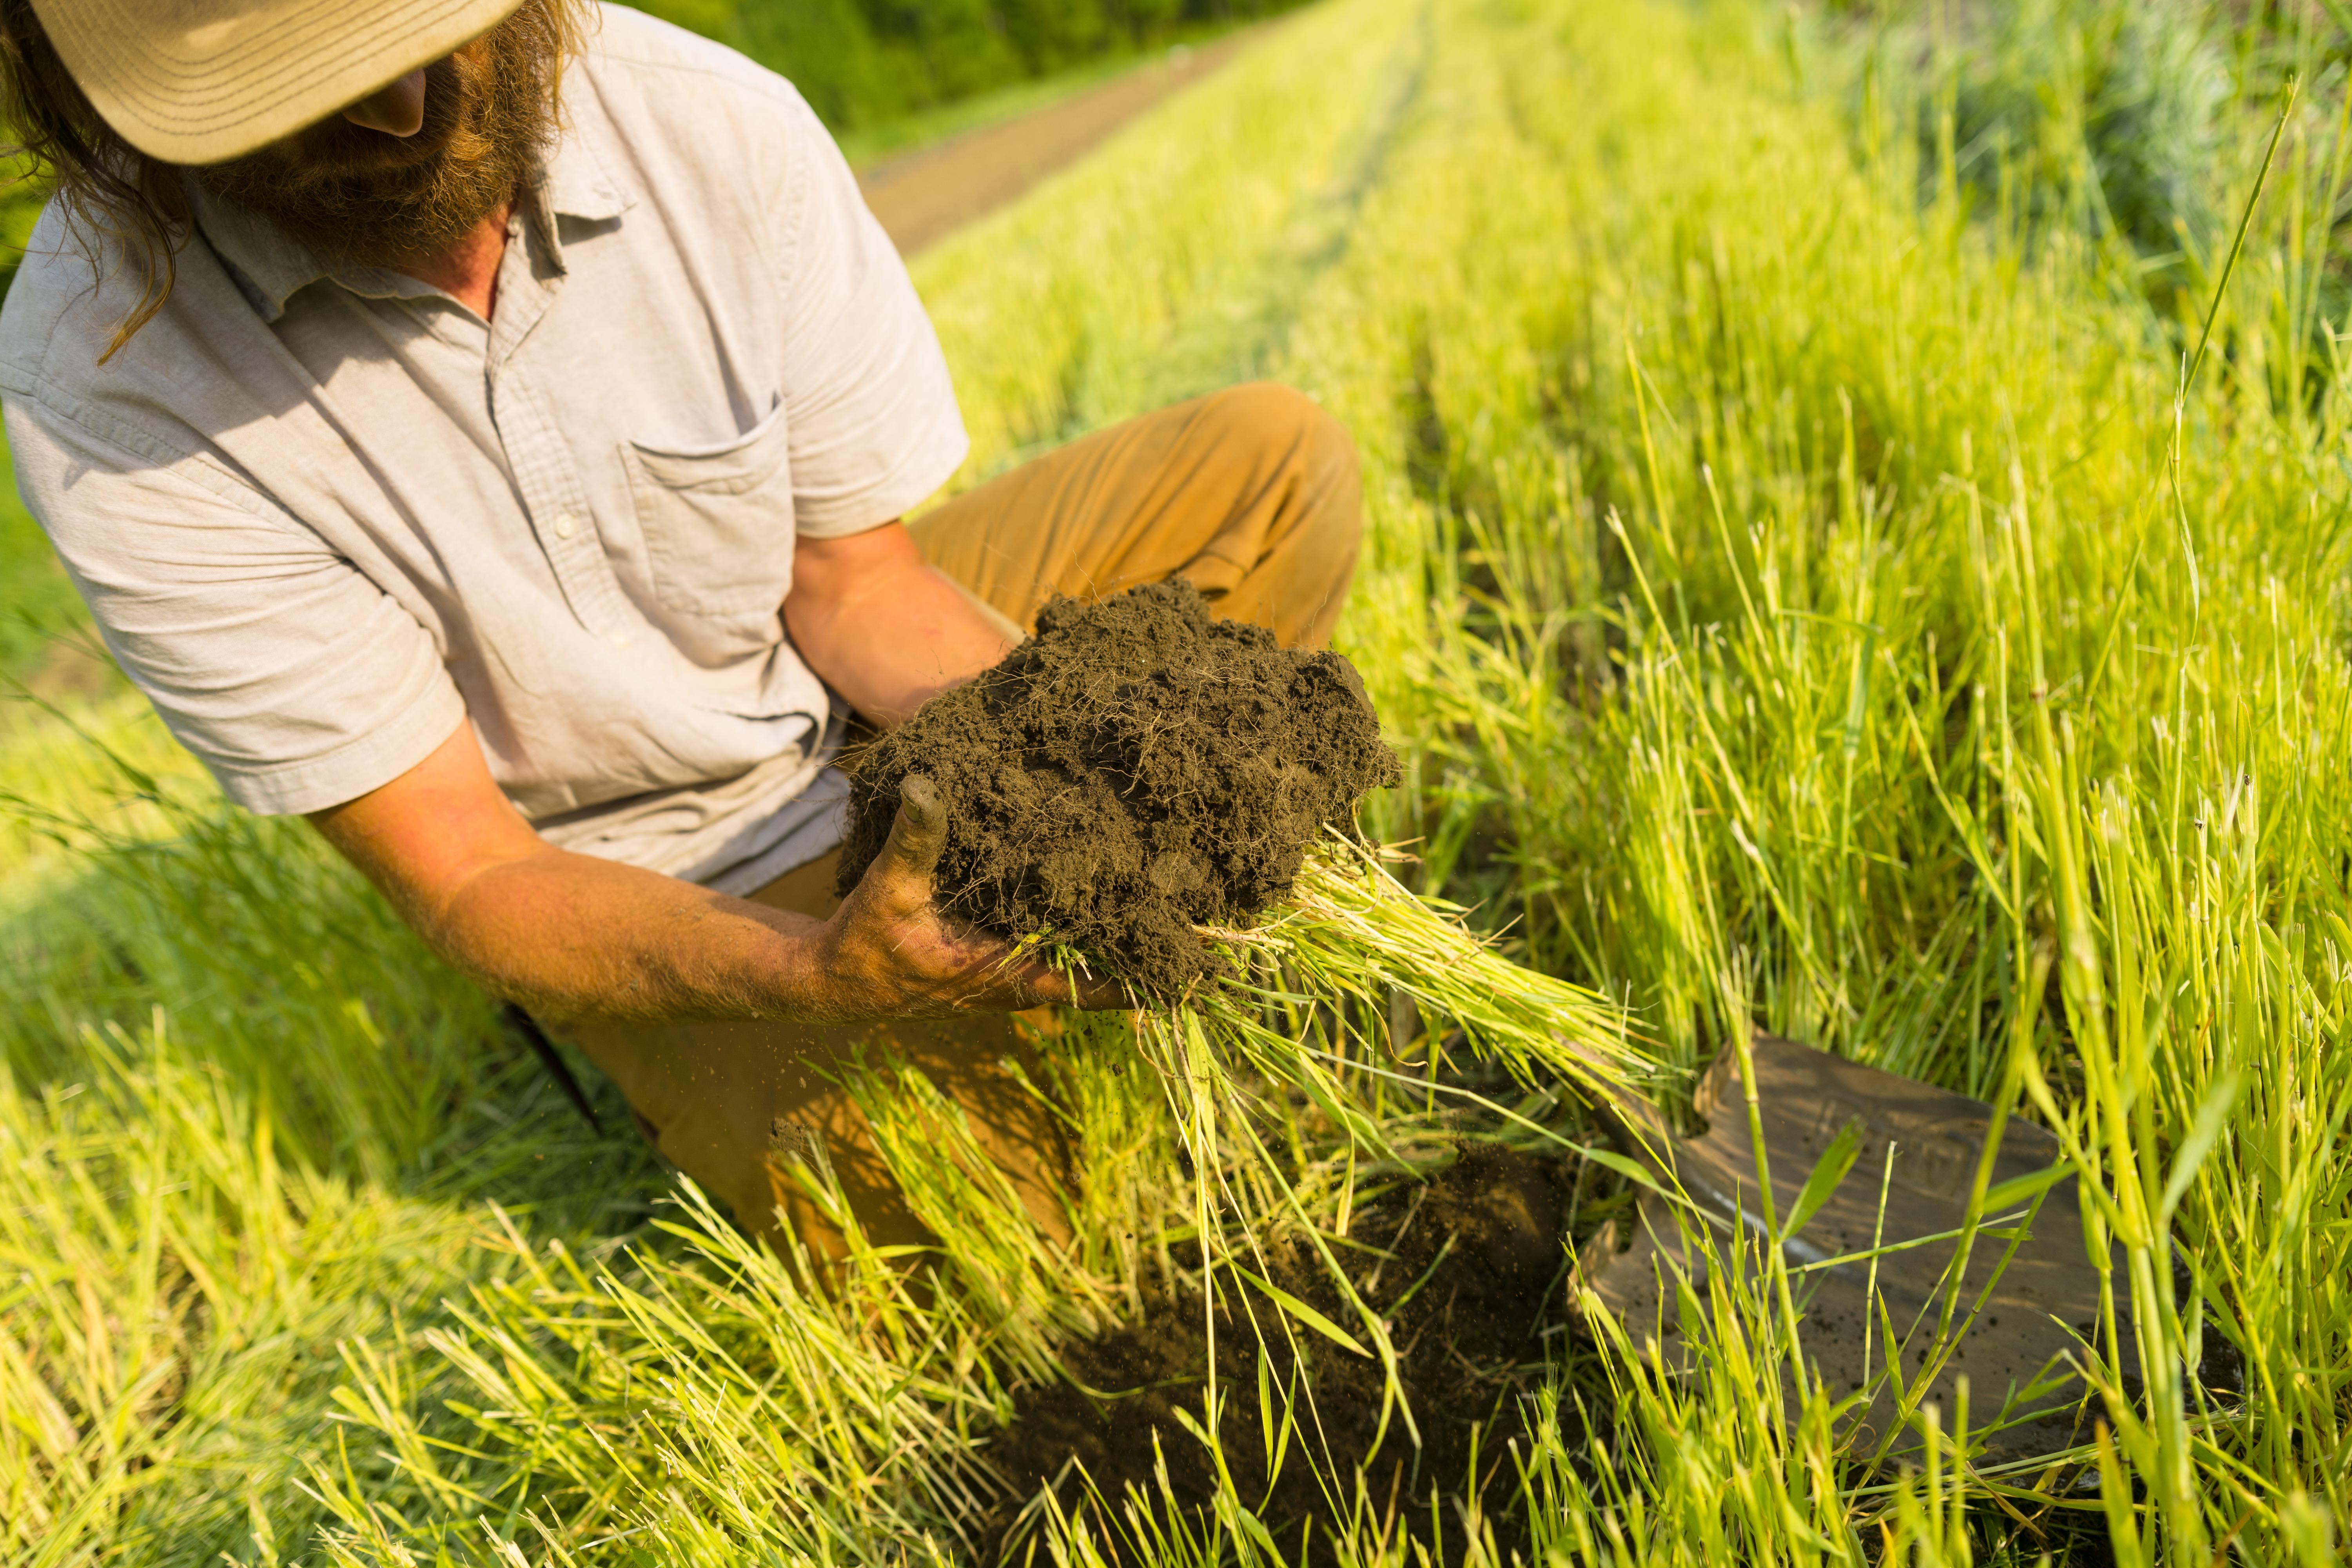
x=359 y=196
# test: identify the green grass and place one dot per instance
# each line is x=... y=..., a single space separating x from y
x=868 y=145
x=870 y=139
x=888 y=70
x=41 y=604
x=37 y=602
x=1800 y=603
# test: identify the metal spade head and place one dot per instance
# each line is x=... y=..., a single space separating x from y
x=1914 y=1153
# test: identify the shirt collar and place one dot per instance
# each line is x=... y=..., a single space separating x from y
x=271 y=266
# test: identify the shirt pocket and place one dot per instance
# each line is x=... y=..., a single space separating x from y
x=718 y=520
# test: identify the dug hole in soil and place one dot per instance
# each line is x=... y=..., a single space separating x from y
x=1476 y=1278
x=1136 y=769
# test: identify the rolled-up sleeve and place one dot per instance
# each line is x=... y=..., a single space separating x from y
x=294 y=679
x=874 y=424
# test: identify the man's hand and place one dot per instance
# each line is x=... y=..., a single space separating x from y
x=571 y=936
x=891 y=952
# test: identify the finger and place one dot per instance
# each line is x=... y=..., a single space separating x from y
x=920 y=832
x=1096 y=995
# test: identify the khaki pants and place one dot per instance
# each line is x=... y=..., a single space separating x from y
x=1250 y=493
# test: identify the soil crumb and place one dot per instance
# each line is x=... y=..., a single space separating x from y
x=1137 y=768
x=1477 y=1274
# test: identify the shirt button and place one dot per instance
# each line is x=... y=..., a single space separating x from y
x=564 y=523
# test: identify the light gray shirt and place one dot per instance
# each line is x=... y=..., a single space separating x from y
x=323 y=516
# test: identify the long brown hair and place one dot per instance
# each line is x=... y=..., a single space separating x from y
x=115 y=199
x=108 y=191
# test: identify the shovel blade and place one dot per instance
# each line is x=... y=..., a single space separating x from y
x=1909 y=1182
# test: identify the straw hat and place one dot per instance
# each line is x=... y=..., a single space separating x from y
x=202 y=82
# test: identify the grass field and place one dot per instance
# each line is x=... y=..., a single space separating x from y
x=1807 y=594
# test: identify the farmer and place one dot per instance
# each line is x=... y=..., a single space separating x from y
x=487 y=431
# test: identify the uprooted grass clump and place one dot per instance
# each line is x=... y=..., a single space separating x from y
x=1136 y=770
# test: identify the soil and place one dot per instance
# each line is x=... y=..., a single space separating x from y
x=1477 y=1277
x=1135 y=769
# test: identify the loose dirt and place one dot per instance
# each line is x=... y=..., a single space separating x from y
x=1475 y=1278
x=1137 y=769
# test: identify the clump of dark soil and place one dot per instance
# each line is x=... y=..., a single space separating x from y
x=1136 y=769
x=1476 y=1274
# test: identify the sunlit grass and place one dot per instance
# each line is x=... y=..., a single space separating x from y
x=1793 y=615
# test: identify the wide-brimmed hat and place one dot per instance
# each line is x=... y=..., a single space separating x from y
x=202 y=82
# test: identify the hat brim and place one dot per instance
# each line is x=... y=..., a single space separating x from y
x=190 y=84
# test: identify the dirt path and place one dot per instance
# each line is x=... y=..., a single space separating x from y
x=922 y=196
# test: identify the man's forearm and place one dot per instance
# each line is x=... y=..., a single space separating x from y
x=571 y=936
x=885 y=629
